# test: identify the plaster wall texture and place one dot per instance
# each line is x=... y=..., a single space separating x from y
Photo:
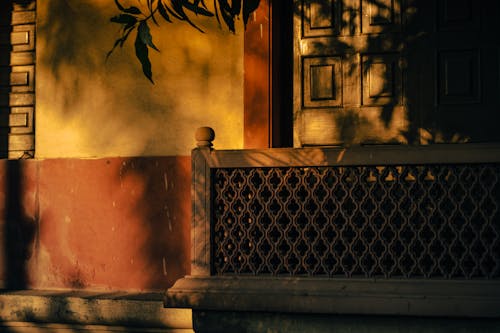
x=88 y=107
x=94 y=224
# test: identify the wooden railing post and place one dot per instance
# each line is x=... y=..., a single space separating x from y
x=200 y=193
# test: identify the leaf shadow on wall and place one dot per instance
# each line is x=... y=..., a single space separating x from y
x=64 y=32
x=112 y=227
x=113 y=223
x=165 y=210
x=19 y=226
x=92 y=107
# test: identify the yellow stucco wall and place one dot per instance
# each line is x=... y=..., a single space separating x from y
x=89 y=107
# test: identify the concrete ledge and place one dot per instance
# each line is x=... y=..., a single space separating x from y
x=117 y=309
x=433 y=298
x=260 y=322
x=23 y=327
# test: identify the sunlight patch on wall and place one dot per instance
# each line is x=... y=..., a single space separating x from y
x=87 y=107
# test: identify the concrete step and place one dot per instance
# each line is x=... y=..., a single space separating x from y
x=71 y=311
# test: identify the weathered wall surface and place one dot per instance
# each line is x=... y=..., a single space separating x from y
x=105 y=224
x=118 y=223
x=89 y=107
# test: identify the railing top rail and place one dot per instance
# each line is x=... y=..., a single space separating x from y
x=357 y=155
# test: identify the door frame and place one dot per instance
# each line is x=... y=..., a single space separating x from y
x=268 y=76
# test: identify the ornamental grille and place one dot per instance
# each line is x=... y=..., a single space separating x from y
x=419 y=221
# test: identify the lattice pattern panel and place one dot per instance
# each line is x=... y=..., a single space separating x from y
x=432 y=222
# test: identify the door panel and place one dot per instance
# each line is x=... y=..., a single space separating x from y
x=459 y=77
x=394 y=71
x=321 y=18
x=382 y=79
x=322 y=81
x=380 y=16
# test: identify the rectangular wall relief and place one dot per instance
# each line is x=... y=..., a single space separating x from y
x=17 y=78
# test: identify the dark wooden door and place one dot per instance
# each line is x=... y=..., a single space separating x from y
x=394 y=71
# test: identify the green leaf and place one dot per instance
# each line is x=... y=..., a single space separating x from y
x=249 y=6
x=120 y=7
x=152 y=12
x=125 y=35
x=132 y=10
x=226 y=13
x=119 y=41
x=150 y=5
x=145 y=35
x=141 y=51
x=129 y=10
x=236 y=7
x=124 y=19
x=163 y=11
x=178 y=11
x=197 y=10
x=173 y=13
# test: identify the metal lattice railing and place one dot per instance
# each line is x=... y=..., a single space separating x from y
x=375 y=230
x=365 y=230
x=394 y=221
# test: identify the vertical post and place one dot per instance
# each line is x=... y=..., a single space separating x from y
x=200 y=196
x=257 y=78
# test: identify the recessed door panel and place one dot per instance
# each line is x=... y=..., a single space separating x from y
x=459 y=77
x=322 y=82
x=321 y=18
x=380 y=16
x=382 y=78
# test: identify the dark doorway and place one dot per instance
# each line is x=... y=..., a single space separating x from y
x=282 y=73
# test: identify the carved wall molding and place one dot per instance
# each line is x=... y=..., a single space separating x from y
x=17 y=78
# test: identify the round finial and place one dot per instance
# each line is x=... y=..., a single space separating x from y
x=204 y=136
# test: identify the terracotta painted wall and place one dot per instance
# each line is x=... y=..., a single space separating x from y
x=110 y=222
x=257 y=79
x=103 y=224
x=89 y=107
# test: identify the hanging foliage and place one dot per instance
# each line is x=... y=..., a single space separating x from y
x=137 y=19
